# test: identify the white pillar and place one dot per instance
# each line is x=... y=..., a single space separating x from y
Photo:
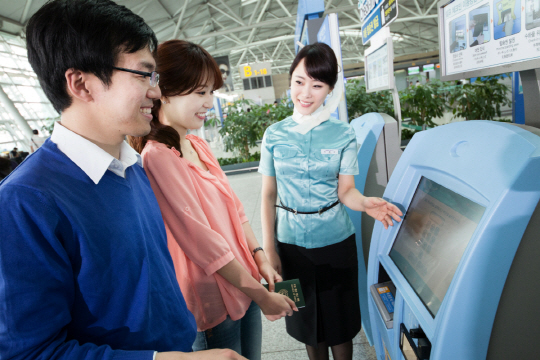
x=19 y=120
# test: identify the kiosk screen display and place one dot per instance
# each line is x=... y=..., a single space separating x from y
x=435 y=232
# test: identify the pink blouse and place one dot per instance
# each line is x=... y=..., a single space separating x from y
x=203 y=219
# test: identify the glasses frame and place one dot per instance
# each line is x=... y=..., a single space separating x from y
x=154 y=76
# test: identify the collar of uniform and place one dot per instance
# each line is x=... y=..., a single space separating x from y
x=299 y=118
x=92 y=159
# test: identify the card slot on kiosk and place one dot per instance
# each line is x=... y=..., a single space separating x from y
x=384 y=296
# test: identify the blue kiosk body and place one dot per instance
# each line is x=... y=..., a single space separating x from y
x=465 y=258
x=378 y=153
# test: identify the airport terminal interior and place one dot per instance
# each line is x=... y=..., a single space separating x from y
x=443 y=97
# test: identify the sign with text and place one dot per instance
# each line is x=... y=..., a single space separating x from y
x=485 y=34
x=379 y=65
x=365 y=7
x=257 y=69
x=381 y=16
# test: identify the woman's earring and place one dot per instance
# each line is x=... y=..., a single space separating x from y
x=163 y=101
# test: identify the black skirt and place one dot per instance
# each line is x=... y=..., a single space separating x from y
x=329 y=280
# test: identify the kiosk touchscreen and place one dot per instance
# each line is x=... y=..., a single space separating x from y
x=464 y=259
x=436 y=230
x=378 y=153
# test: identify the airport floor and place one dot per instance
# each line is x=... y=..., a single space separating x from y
x=277 y=344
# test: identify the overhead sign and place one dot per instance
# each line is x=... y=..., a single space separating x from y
x=257 y=69
x=365 y=7
x=381 y=16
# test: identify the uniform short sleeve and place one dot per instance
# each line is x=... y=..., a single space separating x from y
x=349 y=157
x=266 y=165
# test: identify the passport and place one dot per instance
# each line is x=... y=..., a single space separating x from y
x=291 y=289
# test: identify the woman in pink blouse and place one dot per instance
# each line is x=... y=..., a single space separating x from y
x=217 y=259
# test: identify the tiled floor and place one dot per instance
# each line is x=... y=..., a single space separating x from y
x=277 y=344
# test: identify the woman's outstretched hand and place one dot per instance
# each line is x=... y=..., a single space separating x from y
x=382 y=210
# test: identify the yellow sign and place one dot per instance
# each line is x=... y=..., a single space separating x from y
x=249 y=72
x=255 y=69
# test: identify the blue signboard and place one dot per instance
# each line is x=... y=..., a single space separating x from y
x=307 y=10
x=382 y=15
x=371 y=25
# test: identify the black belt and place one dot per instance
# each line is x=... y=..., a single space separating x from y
x=295 y=212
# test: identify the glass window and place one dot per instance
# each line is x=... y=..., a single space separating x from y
x=254 y=84
x=21 y=85
x=268 y=80
x=246 y=84
x=260 y=81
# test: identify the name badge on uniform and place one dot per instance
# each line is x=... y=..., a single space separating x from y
x=329 y=151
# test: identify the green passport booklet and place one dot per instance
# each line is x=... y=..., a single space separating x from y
x=291 y=289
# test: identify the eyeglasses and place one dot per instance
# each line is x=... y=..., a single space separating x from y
x=224 y=71
x=154 y=76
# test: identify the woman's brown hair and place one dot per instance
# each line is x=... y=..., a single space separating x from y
x=182 y=67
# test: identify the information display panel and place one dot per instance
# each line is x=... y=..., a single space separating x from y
x=379 y=65
x=488 y=37
x=430 y=243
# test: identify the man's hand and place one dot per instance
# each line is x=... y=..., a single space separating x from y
x=215 y=354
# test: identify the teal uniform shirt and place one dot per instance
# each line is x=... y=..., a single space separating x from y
x=306 y=168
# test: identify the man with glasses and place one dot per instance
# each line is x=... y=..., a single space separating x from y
x=85 y=271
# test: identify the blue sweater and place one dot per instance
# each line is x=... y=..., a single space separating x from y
x=85 y=272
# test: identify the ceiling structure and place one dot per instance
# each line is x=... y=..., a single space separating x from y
x=248 y=31
x=252 y=31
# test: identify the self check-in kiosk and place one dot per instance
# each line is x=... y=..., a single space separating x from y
x=377 y=137
x=465 y=260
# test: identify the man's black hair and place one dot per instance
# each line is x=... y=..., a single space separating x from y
x=86 y=35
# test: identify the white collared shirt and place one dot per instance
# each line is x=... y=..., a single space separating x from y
x=92 y=159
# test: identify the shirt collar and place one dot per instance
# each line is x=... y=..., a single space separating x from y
x=300 y=118
x=92 y=159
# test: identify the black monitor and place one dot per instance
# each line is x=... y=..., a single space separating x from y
x=432 y=239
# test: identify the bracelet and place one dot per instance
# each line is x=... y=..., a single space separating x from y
x=256 y=249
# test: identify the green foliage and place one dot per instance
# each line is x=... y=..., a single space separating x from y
x=360 y=102
x=241 y=129
x=212 y=121
x=481 y=100
x=238 y=160
x=423 y=103
x=406 y=133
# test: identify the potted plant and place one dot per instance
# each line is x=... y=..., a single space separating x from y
x=360 y=102
x=481 y=100
x=242 y=128
x=423 y=103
